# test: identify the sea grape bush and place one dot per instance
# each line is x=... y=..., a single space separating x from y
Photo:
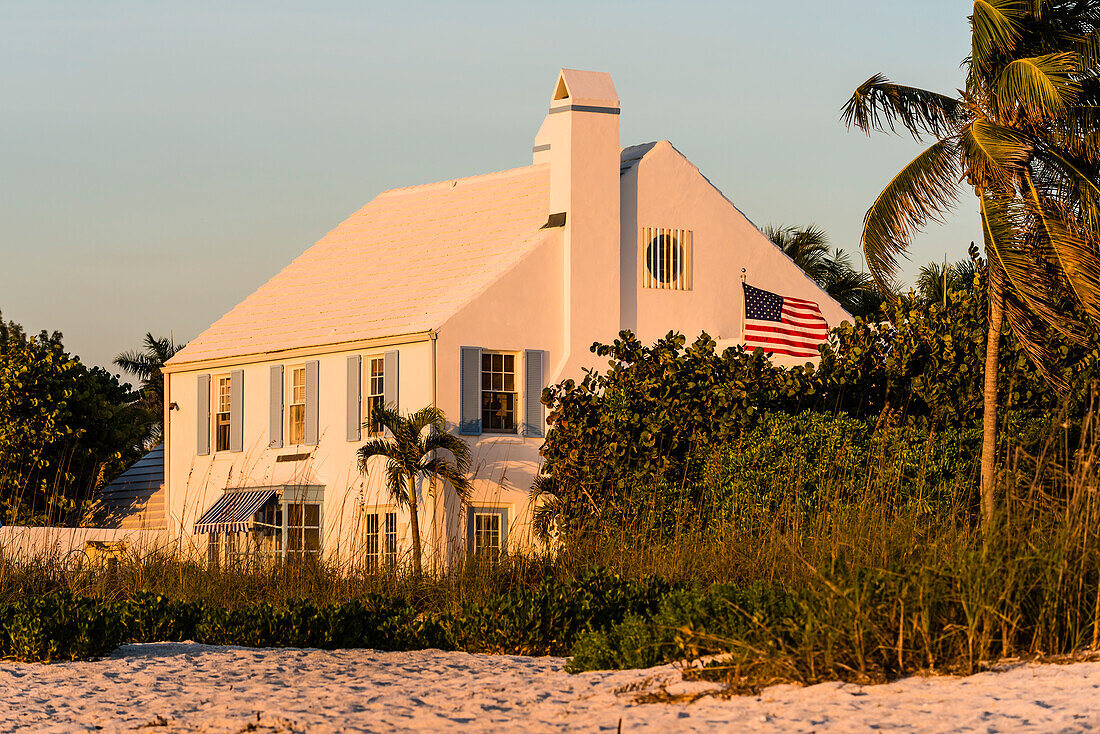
x=644 y=436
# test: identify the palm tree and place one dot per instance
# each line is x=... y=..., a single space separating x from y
x=412 y=451
x=1025 y=136
x=935 y=281
x=146 y=364
x=808 y=247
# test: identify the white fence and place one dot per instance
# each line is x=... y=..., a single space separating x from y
x=23 y=543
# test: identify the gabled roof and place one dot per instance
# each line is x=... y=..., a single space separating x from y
x=403 y=264
x=630 y=156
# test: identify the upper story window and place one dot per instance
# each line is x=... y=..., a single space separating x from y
x=223 y=413
x=296 y=413
x=375 y=392
x=667 y=258
x=498 y=392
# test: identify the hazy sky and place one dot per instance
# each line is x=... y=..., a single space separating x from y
x=158 y=162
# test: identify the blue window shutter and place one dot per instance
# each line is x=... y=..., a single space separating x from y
x=236 y=410
x=470 y=391
x=202 y=410
x=311 y=402
x=275 y=425
x=390 y=378
x=355 y=397
x=534 y=363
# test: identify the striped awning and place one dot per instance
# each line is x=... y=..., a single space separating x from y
x=233 y=511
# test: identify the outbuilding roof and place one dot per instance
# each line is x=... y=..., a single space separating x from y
x=134 y=500
x=403 y=264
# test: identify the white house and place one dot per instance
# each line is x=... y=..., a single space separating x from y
x=470 y=294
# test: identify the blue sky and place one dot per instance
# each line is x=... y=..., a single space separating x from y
x=160 y=161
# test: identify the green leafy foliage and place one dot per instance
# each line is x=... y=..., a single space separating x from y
x=58 y=626
x=64 y=428
x=546 y=619
x=673 y=433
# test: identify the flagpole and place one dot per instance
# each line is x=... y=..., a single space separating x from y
x=744 y=309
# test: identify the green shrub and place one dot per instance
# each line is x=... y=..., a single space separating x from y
x=58 y=626
x=548 y=619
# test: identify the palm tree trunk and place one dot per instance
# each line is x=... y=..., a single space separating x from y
x=414 y=521
x=989 y=413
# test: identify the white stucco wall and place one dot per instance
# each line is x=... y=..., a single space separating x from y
x=523 y=310
x=195 y=482
x=665 y=190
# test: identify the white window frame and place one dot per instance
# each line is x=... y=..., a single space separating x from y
x=387 y=539
x=239 y=547
x=291 y=371
x=216 y=412
x=516 y=392
x=497 y=519
x=368 y=389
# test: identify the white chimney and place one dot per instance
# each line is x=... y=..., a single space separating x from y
x=580 y=140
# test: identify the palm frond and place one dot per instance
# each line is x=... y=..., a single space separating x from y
x=453 y=475
x=1073 y=181
x=1017 y=256
x=385 y=447
x=1077 y=132
x=879 y=104
x=1033 y=339
x=923 y=191
x=453 y=445
x=396 y=478
x=995 y=29
x=993 y=154
x=1077 y=259
x=546 y=503
x=1041 y=87
x=1088 y=52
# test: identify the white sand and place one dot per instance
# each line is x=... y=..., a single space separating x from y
x=187 y=687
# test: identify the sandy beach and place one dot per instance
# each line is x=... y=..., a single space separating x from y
x=169 y=687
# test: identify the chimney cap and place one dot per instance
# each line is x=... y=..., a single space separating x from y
x=576 y=87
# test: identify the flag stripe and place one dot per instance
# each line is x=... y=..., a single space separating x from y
x=804 y=321
x=817 y=333
x=785 y=351
x=786 y=342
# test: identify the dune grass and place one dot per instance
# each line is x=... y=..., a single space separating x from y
x=867 y=582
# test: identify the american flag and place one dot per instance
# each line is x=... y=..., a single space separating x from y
x=781 y=324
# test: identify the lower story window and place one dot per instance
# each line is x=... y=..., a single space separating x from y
x=303 y=529
x=381 y=538
x=488 y=532
x=278 y=529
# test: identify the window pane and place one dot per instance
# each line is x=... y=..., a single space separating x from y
x=486 y=381
x=509 y=363
x=509 y=382
x=486 y=362
x=498 y=362
x=294 y=515
x=312 y=540
x=313 y=515
x=498 y=381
